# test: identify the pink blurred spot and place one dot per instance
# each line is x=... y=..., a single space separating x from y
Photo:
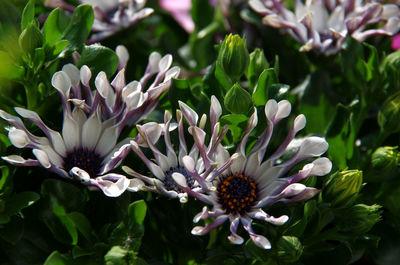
x=180 y=10
x=396 y=42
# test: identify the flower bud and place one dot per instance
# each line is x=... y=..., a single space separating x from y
x=360 y=218
x=31 y=38
x=233 y=57
x=342 y=188
x=389 y=114
x=385 y=158
x=258 y=63
x=238 y=100
x=289 y=249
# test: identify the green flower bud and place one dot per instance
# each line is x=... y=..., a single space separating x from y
x=360 y=218
x=238 y=100
x=385 y=158
x=31 y=38
x=342 y=188
x=389 y=114
x=233 y=56
x=289 y=249
x=258 y=63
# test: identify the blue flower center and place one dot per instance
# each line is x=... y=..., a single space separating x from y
x=85 y=159
x=237 y=193
x=169 y=182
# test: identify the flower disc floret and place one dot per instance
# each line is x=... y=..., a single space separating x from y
x=169 y=182
x=85 y=159
x=236 y=193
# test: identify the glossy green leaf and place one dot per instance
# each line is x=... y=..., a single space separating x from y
x=56 y=258
x=67 y=222
x=137 y=211
x=30 y=39
x=79 y=27
x=237 y=100
x=54 y=26
x=99 y=58
x=20 y=201
x=28 y=14
x=266 y=79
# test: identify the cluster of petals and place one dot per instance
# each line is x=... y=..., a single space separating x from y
x=323 y=25
x=267 y=176
x=110 y=15
x=88 y=148
x=196 y=165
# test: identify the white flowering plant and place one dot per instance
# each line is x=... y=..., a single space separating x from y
x=199 y=132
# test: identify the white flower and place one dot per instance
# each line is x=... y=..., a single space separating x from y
x=324 y=25
x=251 y=182
x=88 y=148
x=110 y=15
x=194 y=165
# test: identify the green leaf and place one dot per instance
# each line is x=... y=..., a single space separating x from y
x=20 y=201
x=238 y=100
x=137 y=212
x=28 y=14
x=266 y=79
x=83 y=226
x=31 y=38
x=258 y=63
x=63 y=193
x=56 y=258
x=237 y=123
x=118 y=256
x=5 y=178
x=99 y=58
x=79 y=27
x=54 y=26
x=67 y=222
x=338 y=135
x=315 y=103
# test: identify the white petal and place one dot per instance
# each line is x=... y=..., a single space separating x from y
x=313 y=146
x=113 y=189
x=61 y=82
x=172 y=73
x=91 y=131
x=123 y=55
x=271 y=108
x=85 y=75
x=322 y=166
x=179 y=179
x=284 y=109
x=107 y=141
x=135 y=185
x=18 y=137
x=154 y=59
x=238 y=164
x=70 y=132
x=73 y=72
x=165 y=63
x=253 y=163
x=299 y=123
x=42 y=158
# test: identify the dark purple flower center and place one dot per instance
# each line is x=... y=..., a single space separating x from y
x=237 y=193
x=169 y=182
x=85 y=159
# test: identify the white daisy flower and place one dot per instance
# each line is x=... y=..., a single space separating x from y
x=251 y=182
